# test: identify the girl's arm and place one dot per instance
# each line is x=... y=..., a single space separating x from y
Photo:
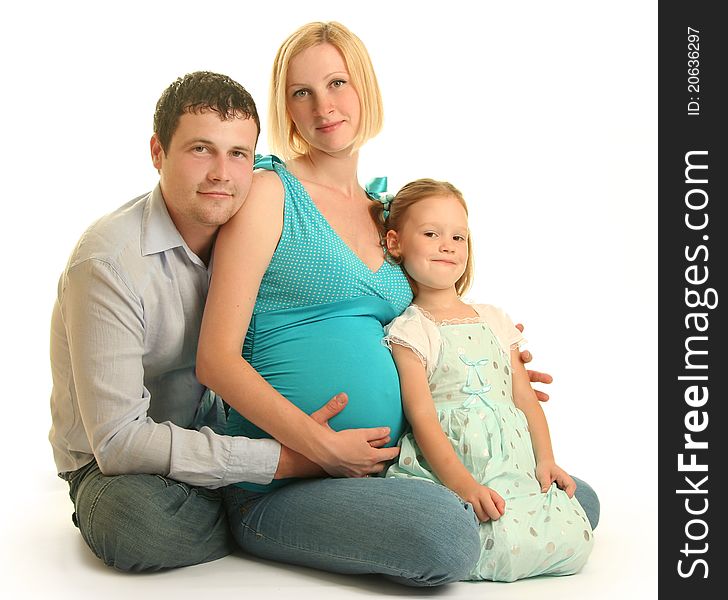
x=525 y=399
x=243 y=251
x=419 y=409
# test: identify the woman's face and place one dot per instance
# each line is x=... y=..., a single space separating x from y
x=321 y=99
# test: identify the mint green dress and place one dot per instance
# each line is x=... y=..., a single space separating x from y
x=468 y=367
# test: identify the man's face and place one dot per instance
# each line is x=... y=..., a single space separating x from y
x=206 y=172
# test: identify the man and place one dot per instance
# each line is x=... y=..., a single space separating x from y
x=124 y=335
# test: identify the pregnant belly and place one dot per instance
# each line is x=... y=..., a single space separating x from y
x=310 y=360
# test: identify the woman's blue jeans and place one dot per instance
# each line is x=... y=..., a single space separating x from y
x=414 y=532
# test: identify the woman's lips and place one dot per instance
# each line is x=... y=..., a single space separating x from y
x=329 y=127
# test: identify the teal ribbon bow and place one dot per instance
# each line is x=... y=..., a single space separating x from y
x=266 y=162
x=376 y=189
x=476 y=393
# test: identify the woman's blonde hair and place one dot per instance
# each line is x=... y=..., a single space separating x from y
x=283 y=137
x=391 y=217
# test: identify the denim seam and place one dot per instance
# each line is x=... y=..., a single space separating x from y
x=171 y=483
x=403 y=574
x=91 y=540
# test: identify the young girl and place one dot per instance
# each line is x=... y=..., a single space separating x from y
x=477 y=426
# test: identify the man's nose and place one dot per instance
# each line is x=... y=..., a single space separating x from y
x=219 y=169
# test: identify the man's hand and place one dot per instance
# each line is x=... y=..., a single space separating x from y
x=293 y=464
x=535 y=376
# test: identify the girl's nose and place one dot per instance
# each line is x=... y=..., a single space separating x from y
x=447 y=246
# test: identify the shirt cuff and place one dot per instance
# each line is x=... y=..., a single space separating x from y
x=253 y=461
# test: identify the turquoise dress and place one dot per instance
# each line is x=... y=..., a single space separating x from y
x=468 y=367
x=318 y=323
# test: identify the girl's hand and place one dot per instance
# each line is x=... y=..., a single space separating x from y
x=548 y=471
x=486 y=502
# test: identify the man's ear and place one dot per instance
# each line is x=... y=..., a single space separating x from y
x=392 y=240
x=157 y=151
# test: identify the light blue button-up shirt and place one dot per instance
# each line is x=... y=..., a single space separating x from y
x=123 y=344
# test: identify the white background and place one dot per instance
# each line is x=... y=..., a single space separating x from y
x=543 y=113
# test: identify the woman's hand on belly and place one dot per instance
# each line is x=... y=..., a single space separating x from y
x=351 y=452
x=355 y=452
x=293 y=464
x=352 y=459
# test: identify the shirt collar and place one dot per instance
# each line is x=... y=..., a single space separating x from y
x=159 y=233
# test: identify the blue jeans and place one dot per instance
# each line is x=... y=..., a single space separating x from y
x=414 y=532
x=148 y=522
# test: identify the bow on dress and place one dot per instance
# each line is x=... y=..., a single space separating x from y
x=376 y=189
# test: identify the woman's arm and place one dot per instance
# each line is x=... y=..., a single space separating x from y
x=419 y=409
x=525 y=399
x=243 y=251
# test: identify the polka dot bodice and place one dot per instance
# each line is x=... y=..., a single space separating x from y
x=313 y=265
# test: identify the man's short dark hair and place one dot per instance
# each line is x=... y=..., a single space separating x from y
x=197 y=92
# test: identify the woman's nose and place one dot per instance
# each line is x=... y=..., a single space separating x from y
x=324 y=105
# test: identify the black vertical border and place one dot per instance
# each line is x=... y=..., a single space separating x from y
x=679 y=133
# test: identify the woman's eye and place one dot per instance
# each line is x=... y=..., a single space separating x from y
x=338 y=82
x=300 y=93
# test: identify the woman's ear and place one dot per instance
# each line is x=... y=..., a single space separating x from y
x=392 y=240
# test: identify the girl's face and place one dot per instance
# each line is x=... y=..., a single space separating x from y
x=432 y=242
x=321 y=100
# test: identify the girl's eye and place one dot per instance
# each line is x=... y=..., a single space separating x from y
x=300 y=93
x=430 y=234
x=459 y=238
x=338 y=82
